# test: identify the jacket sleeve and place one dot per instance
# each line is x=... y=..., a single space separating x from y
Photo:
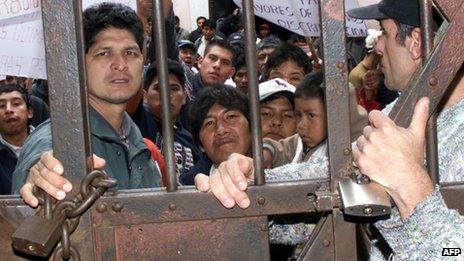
x=283 y=151
x=37 y=143
x=423 y=236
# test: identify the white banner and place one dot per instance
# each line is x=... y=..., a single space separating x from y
x=13 y=8
x=22 y=51
x=302 y=16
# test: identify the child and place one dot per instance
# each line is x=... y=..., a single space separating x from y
x=311 y=137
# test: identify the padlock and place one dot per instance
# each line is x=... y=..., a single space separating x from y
x=38 y=236
x=364 y=198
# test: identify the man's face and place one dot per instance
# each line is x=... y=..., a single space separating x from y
x=262 y=58
x=311 y=120
x=224 y=132
x=216 y=66
x=396 y=63
x=200 y=23
x=113 y=67
x=14 y=114
x=277 y=119
x=241 y=79
x=177 y=97
x=288 y=71
x=188 y=55
x=208 y=32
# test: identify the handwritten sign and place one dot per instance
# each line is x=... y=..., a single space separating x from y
x=302 y=16
x=22 y=51
x=12 y=8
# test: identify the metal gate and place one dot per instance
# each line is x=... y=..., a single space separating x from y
x=183 y=224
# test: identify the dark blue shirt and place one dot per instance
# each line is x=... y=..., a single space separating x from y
x=202 y=166
x=186 y=152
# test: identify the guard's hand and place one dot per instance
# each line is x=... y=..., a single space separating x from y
x=229 y=181
x=47 y=175
x=394 y=156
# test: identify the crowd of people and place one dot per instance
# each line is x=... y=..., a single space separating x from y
x=207 y=76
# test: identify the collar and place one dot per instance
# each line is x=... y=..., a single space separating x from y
x=101 y=127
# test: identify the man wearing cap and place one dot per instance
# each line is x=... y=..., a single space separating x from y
x=392 y=156
x=188 y=54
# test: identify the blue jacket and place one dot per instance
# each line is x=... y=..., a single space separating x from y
x=132 y=166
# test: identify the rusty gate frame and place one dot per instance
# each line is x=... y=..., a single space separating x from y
x=151 y=223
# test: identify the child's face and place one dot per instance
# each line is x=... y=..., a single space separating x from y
x=311 y=120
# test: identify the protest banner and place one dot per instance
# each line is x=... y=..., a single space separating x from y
x=12 y=8
x=22 y=51
x=302 y=16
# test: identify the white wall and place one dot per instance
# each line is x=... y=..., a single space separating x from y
x=189 y=10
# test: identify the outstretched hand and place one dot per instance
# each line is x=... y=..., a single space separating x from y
x=229 y=181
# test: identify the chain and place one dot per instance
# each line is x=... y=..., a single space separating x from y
x=92 y=187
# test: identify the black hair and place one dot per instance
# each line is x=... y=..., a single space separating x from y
x=221 y=43
x=239 y=61
x=12 y=87
x=200 y=17
x=226 y=96
x=210 y=23
x=176 y=18
x=109 y=15
x=312 y=86
x=174 y=67
x=288 y=52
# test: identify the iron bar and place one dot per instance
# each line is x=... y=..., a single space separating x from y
x=62 y=25
x=152 y=205
x=253 y=92
x=427 y=47
x=69 y=114
x=332 y=14
x=448 y=7
x=163 y=80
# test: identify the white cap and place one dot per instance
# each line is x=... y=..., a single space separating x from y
x=275 y=85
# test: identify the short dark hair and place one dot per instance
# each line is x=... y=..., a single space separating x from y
x=174 y=67
x=12 y=87
x=176 y=18
x=201 y=17
x=210 y=23
x=239 y=61
x=226 y=96
x=403 y=31
x=312 y=86
x=221 y=43
x=288 y=52
x=107 y=15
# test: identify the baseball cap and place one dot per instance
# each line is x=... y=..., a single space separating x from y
x=403 y=11
x=273 y=86
x=236 y=38
x=186 y=43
